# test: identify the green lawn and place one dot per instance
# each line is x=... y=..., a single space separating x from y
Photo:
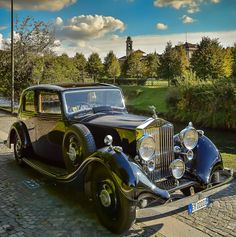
x=139 y=98
x=229 y=160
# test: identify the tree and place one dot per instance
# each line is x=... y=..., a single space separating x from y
x=112 y=66
x=227 y=62
x=234 y=60
x=182 y=61
x=135 y=66
x=80 y=63
x=152 y=64
x=94 y=66
x=208 y=60
x=32 y=38
x=169 y=63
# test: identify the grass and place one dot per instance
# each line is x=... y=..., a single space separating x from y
x=139 y=98
x=229 y=160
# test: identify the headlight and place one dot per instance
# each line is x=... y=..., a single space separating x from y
x=146 y=147
x=177 y=168
x=189 y=137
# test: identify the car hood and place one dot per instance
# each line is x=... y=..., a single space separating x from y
x=115 y=120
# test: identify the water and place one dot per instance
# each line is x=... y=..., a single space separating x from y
x=224 y=140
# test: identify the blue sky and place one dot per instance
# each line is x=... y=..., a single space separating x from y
x=103 y=25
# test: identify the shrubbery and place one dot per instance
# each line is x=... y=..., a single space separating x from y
x=210 y=104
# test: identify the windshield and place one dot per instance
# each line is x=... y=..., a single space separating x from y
x=82 y=100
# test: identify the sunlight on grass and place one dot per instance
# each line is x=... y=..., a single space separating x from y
x=229 y=160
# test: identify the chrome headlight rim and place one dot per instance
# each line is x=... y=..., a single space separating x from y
x=177 y=168
x=184 y=137
x=139 y=146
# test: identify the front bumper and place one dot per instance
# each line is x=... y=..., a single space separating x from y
x=173 y=204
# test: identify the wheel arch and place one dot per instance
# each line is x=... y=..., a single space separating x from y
x=20 y=129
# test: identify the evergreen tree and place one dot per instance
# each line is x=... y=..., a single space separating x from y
x=152 y=64
x=135 y=66
x=234 y=61
x=170 y=63
x=112 y=66
x=208 y=60
x=94 y=66
x=80 y=63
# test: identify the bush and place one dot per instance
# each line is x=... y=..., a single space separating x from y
x=210 y=104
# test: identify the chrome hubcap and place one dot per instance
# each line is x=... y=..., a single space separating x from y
x=105 y=197
x=72 y=153
x=18 y=147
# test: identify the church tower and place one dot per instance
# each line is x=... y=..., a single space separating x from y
x=129 y=46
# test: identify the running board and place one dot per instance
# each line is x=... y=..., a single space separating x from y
x=45 y=169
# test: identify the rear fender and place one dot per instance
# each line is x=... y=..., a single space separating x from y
x=20 y=129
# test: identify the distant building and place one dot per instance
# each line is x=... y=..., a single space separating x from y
x=130 y=50
x=189 y=48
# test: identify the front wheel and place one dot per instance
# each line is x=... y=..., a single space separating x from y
x=114 y=210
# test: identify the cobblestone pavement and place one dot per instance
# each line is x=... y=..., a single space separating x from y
x=220 y=218
x=33 y=205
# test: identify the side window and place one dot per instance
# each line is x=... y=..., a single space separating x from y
x=29 y=102
x=49 y=103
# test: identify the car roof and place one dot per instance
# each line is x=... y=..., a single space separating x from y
x=71 y=86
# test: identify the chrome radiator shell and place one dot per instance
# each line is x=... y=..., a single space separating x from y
x=164 y=151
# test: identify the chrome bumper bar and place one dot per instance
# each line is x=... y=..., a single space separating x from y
x=171 y=205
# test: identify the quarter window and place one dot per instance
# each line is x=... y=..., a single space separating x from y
x=29 y=102
x=49 y=103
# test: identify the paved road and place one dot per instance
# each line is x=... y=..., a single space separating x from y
x=33 y=205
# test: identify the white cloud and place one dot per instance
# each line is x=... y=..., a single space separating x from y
x=58 y=21
x=47 y=5
x=187 y=19
x=3 y=27
x=161 y=26
x=192 y=6
x=147 y=43
x=115 y=37
x=87 y=27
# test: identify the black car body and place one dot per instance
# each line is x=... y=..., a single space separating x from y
x=84 y=132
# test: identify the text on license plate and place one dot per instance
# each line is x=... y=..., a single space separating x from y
x=195 y=206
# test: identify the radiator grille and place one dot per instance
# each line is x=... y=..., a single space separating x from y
x=164 y=154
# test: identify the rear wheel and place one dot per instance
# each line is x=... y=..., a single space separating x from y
x=114 y=210
x=19 y=151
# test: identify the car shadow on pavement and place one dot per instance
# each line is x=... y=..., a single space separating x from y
x=67 y=200
x=52 y=196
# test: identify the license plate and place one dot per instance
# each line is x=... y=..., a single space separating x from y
x=195 y=206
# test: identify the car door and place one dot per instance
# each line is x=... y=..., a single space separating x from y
x=28 y=113
x=50 y=127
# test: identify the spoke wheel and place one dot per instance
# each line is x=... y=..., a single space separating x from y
x=18 y=150
x=114 y=210
x=74 y=153
x=78 y=144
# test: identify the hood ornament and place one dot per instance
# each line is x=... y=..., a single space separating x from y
x=153 y=108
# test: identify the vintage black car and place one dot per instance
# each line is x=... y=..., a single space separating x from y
x=83 y=132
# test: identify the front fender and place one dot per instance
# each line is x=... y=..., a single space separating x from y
x=207 y=156
x=119 y=164
x=128 y=172
x=20 y=129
